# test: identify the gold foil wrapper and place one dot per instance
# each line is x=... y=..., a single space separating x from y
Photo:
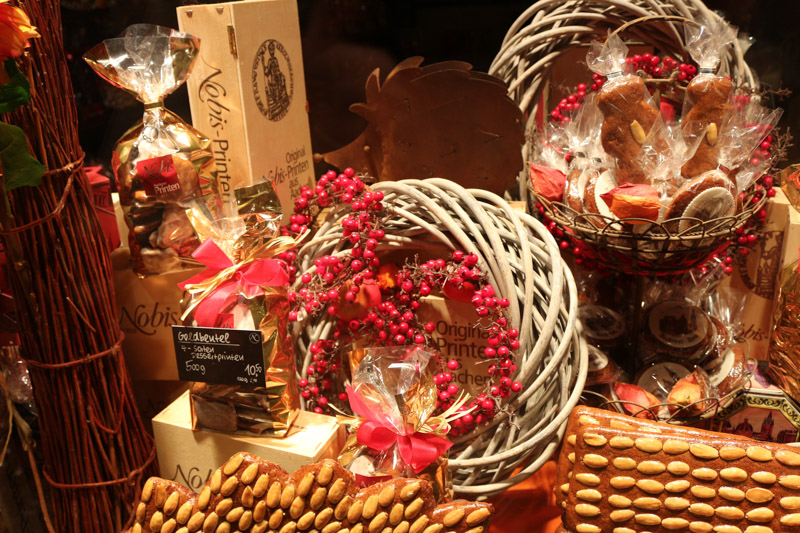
x=161 y=162
x=267 y=409
x=784 y=349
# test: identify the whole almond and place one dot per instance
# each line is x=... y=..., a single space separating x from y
x=147 y=490
x=396 y=515
x=169 y=526
x=592 y=439
x=196 y=521
x=759 y=453
x=621 y=515
x=245 y=520
x=589 y=495
x=248 y=499
x=323 y=517
x=712 y=134
x=289 y=527
x=275 y=519
x=760 y=514
x=318 y=498
x=729 y=513
x=305 y=485
x=325 y=474
x=621 y=443
x=333 y=527
x=370 y=507
x=204 y=498
x=298 y=504
x=287 y=496
x=260 y=511
x=414 y=508
x=249 y=474
x=261 y=485
x=274 y=495
x=409 y=491
x=337 y=491
x=156 y=521
x=419 y=524
x=184 y=513
x=235 y=514
x=386 y=496
x=615 y=500
x=355 y=512
x=638 y=132
x=675 y=447
x=216 y=481
x=343 y=508
x=453 y=517
x=224 y=506
x=306 y=520
x=229 y=486
x=172 y=503
x=377 y=523
x=477 y=516
x=233 y=465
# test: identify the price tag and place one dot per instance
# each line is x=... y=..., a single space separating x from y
x=219 y=356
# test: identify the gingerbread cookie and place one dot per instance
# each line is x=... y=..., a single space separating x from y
x=710 y=96
x=634 y=481
x=248 y=494
x=627 y=119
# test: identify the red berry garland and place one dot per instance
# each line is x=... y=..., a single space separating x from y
x=380 y=302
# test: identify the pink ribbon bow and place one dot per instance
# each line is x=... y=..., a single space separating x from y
x=247 y=278
x=418 y=449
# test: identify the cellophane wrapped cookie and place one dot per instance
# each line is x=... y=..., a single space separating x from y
x=244 y=288
x=394 y=393
x=161 y=162
x=705 y=105
x=627 y=108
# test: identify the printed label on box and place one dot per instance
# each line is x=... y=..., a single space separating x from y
x=159 y=175
x=220 y=356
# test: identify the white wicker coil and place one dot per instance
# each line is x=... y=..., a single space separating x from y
x=548 y=28
x=523 y=263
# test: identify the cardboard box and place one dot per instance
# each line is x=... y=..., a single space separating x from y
x=762 y=412
x=247 y=93
x=190 y=457
x=147 y=308
x=756 y=274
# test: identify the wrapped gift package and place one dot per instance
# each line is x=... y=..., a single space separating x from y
x=189 y=457
x=248 y=93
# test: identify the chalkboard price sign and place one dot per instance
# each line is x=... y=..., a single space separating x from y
x=219 y=356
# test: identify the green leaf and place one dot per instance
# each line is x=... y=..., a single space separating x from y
x=17 y=91
x=19 y=167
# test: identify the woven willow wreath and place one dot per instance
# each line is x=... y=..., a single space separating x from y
x=522 y=262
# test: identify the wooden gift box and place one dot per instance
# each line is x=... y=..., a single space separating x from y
x=247 y=93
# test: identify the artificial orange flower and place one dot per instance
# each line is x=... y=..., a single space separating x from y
x=15 y=30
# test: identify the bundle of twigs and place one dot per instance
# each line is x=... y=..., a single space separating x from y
x=95 y=447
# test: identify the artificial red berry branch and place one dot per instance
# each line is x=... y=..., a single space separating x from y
x=380 y=303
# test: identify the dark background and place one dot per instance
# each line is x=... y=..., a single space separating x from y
x=344 y=40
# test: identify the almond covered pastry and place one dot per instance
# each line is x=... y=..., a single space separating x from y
x=249 y=494
x=628 y=480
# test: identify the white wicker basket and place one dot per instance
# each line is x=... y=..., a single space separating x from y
x=523 y=263
x=548 y=28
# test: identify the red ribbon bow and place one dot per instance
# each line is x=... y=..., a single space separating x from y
x=247 y=278
x=417 y=449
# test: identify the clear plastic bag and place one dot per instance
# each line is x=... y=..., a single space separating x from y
x=161 y=162
x=393 y=390
x=627 y=108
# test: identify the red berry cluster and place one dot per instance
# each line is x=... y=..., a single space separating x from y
x=656 y=67
x=380 y=302
x=652 y=65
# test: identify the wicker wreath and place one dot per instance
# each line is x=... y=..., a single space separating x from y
x=523 y=263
